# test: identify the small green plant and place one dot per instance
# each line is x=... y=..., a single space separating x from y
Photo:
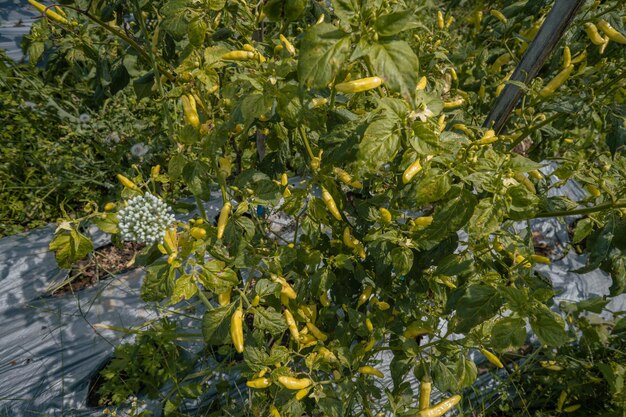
x=144 y=366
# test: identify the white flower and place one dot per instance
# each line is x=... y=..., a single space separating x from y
x=145 y=219
x=139 y=149
x=113 y=137
x=84 y=118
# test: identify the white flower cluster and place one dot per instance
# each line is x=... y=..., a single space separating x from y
x=145 y=219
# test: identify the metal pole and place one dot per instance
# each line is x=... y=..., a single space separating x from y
x=547 y=38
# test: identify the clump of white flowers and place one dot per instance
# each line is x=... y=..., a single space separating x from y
x=145 y=219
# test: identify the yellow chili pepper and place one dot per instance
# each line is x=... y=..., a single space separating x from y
x=536 y=174
x=288 y=45
x=492 y=358
x=522 y=179
x=155 y=171
x=567 y=57
x=571 y=408
x=498 y=15
x=383 y=305
x=416 y=329
x=422 y=83
x=441 y=122
x=259 y=383
x=360 y=85
x=222 y=221
x=385 y=215
x=593 y=34
x=369 y=326
x=324 y=300
x=423 y=221
x=224 y=298
x=478 y=18
x=580 y=57
x=365 y=295
x=330 y=204
x=346 y=178
x=488 y=137
x=611 y=32
x=521 y=260
x=440 y=22
x=189 y=110
x=561 y=401
x=48 y=13
x=411 y=171
x=127 y=183
x=301 y=394
x=318 y=102
x=109 y=206
x=294 y=383
x=274 y=411
x=453 y=104
x=347 y=238
x=369 y=370
x=319 y=335
x=540 y=259
x=449 y=21
x=238 y=56
x=550 y=365
x=556 y=82
x=426 y=387
x=327 y=354
x=593 y=190
x=500 y=62
x=441 y=408
x=197 y=233
x=236 y=329
x=256 y=300
x=291 y=323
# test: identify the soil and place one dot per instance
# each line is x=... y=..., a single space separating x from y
x=103 y=263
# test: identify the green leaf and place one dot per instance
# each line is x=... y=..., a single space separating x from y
x=393 y=23
x=508 y=333
x=289 y=10
x=449 y=217
x=523 y=203
x=216 y=325
x=548 y=326
x=402 y=259
x=185 y=288
x=398 y=66
x=217 y=278
x=69 y=247
x=265 y=287
x=196 y=176
x=158 y=282
x=599 y=245
x=486 y=218
x=176 y=165
x=444 y=377
x=269 y=320
x=583 y=228
x=107 y=223
x=476 y=304
x=616 y=132
x=380 y=143
x=466 y=372
x=431 y=187
x=143 y=85
x=323 y=52
x=346 y=10
x=256 y=359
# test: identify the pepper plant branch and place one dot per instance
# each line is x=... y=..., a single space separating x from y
x=584 y=210
x=129 y=41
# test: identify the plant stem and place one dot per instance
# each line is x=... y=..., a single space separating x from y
x=129 y=41
x=307 y=145
x=586 y=210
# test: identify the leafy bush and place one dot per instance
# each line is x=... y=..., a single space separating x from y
x=412 y=229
